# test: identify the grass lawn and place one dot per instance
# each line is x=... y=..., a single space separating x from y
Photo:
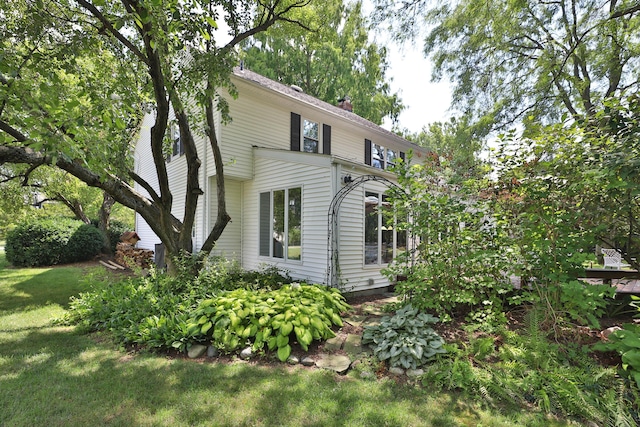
x=54 y=376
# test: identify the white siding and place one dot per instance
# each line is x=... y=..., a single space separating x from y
x=313 y=174
x=229 y=243
x=145 y=167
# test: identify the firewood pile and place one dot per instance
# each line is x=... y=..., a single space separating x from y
x=126 y=254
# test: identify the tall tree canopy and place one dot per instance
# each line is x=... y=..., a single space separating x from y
x=457 y=142
x=334 y=60
x=76 y=74
x=525 y=61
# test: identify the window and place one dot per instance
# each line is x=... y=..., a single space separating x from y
x=177 y=148
x=382 y=240
x=379 y=157
x=306 y=135
x=281 y=224
x=391 y=157
x=310 y=137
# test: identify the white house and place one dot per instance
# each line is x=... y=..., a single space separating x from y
x=303 y=181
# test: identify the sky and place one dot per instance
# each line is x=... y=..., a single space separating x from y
x=425 y=102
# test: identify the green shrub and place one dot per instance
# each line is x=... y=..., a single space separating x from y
x=405 y=339
x=528 y=370
x=626 y=342
x=147 y=311
x=52 y=241
x=85 y=243
x=160 y=311
x=272 y=318
x=224 y=274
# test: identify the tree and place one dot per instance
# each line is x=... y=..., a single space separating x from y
x=583 y=177
x=525 y=61
x=456 y=141
x=333 y=61
x=75 y=76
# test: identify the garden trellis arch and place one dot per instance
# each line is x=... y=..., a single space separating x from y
x=333 y=258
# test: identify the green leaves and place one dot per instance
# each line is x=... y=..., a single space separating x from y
x=405 y=339
x=294 y=312
x=334 y=60
x=627 y=343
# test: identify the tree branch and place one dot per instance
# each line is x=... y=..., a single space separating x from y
x=629 y=11
x=109 y=27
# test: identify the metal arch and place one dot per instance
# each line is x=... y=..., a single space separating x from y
x=332 y=224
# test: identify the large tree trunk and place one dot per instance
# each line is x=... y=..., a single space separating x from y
x=104 y=216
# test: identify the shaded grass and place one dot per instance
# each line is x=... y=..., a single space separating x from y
x=51 y=375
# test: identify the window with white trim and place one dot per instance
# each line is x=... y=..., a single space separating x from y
x=280 y=234
x=177 y=148
x=382 y=239
x=310 y=136
x=380 y=157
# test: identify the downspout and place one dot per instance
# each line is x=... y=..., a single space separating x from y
x=204 y=225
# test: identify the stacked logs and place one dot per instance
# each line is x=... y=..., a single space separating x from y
x=127 y=253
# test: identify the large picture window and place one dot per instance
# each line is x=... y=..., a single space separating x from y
x=382 y=240
x=281 y=224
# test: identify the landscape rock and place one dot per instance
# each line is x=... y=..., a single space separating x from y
x=414 y=372
x=293 y=360
x=308 y=361
x=196 y=351
x=333 y=344
x=334 y=362
x=212 y=351
x=353 y=344
x=246 y=353
x=355 y=320
x=396 y=371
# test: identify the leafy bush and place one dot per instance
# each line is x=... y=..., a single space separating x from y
x=225 y=274
x=160 y=311
x=459 y=267
x=405 y=339
x=527 y=370
x=147 y=311
x=52 y=241
x=271 y=318
x=85 y=243
x=222 y=273
x=625 y=342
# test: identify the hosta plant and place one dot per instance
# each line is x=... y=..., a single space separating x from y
x=626 y=342
x=273 y=318
x=405 y=339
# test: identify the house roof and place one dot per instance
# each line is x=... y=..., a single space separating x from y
x=298 y=95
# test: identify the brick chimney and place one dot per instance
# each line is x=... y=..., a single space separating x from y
x=345 y=104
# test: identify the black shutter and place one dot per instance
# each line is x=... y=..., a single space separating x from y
x=326 y=139
x=295 y=132
x=265 y=221
x=402 y=156
x=367 y=152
